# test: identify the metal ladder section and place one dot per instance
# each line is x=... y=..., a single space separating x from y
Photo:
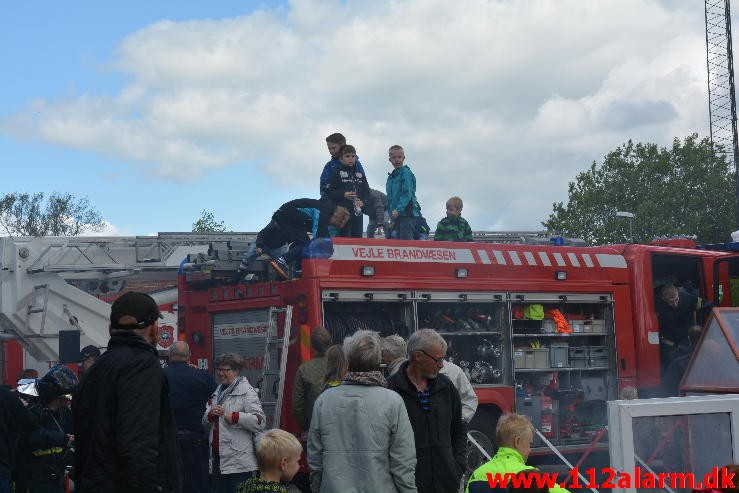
x=271 y=390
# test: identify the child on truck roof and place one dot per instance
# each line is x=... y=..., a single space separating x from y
x=334 y=142
x=453 y=227
x=291 y=224
x=348 y=187
x=401 y=195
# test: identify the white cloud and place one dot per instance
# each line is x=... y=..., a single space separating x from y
x=500 y=102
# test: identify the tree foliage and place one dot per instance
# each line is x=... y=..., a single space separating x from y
x=62 y=214
x=208 y=224
x=682 y=190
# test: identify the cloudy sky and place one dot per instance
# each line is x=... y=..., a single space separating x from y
x=158 y=110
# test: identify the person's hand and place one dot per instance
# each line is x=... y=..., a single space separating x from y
x=218 y=410
x=359 y=202
x=259 y=251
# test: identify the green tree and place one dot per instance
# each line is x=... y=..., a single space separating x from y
x=62 y=214
x=208 y=224
x=681 y=190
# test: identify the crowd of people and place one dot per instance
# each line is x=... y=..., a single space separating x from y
x=134 y=426
x=345 y=197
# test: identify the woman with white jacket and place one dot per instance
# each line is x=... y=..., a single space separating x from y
x=234 y=416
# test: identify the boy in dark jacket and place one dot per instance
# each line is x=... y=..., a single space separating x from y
x=278 y=453
x=292 y=222
x=453 y=227
x=334 y=142
x=376 y=210
x=435 y=411
x=348 y=187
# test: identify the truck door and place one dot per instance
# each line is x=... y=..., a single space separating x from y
x=683 y=271
x=726 y=282
x=243 y=332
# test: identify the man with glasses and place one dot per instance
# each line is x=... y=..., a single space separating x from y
x=435 y=412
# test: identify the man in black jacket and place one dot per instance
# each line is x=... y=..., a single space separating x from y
x=16 y=423
x=190 y=388
x=435 y=412
x=125 y=434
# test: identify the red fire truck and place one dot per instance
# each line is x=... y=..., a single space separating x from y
x=496 y=301
x=553 y=331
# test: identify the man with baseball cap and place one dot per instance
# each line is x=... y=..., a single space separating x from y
x=125 y=434
x=88 y=356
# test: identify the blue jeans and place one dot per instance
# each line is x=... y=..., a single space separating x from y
x=251 y=252
x=405 y=226
x=194 y=452
x=5 y=485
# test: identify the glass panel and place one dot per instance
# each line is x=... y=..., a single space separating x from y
x=731 y=317
x=704 y=372
x=682 y=444
x=475 y=333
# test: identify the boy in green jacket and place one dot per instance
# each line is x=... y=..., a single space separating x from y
x=453 y=227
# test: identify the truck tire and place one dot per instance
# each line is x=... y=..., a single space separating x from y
x=482 y=430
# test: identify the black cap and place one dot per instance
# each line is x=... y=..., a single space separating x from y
x=140 y=306
x=89 y=352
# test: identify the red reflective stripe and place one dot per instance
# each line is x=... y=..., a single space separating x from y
x=304 y=342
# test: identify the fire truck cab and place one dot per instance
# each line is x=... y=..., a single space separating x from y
x=552 y=331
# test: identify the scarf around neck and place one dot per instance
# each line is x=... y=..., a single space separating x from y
x=223 y=393
x=372 y=378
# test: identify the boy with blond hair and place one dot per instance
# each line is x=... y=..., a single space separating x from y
x=514 y=435
x=278 y=453
x=453 y=227
x=401 y=195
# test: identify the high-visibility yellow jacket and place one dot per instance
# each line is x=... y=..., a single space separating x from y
x=507 y=460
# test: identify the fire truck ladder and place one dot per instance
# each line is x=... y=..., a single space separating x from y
x=721 y=90
x=272 y=385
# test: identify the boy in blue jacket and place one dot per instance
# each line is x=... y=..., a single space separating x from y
x=334 y=142
x=401 y=195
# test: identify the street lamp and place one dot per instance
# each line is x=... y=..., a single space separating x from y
x=629 y=215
